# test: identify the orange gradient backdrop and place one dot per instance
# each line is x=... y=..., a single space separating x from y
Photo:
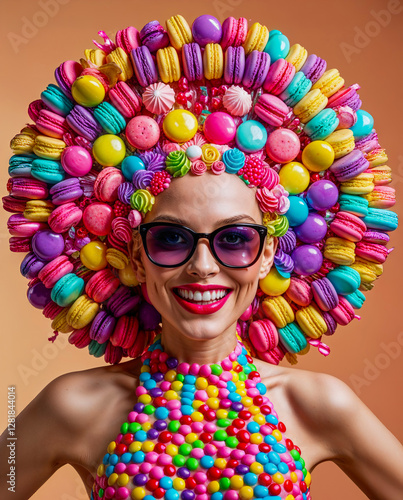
x=364 y=43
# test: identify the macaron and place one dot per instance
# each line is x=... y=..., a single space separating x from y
x=82 y=312
x=297 y=56
x=179 y=31
x=347 y=96
x=348 y=226
x=80 y=338
x=144 y=66
x=128 y=39
x=56 y=100
x=192 y=61
x=154 y=36
x=299 y=86
x=234 y=65
x=102 y=285
x=299 y=292
x=168 y=65
x=126 y=99
x=125 y=332
x=292 y=338
x=278 y=310
x=343 y=313
x=66 y=191
x=356 y=205
x=18 y=225
x=54 y=270
x=329 y=83
x=339 y=250
x=310 y=321
x=263 y=335
x=65 y=217
x=66 y=74
x=310 y=105
x=256 y=68
x=322 y=125
x=372 y=251
x=47 y=170
x=356 y=299
x=325 y=294
x=109 y=118
x=272 y=110
x=119 y=57
x=82 y=121
x=213 y=61
x=48 y=147
x=102 y=327
x=31 y=266
x=349 y=166
x=234 y=32
x=20 y=165
x=279 y=76
x=51 y=124
x=122 y=301
x=313 y=67
x=67 y=289
x=256 y=38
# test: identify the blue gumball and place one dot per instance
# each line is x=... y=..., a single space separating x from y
x=130 y=164
x=298 y=211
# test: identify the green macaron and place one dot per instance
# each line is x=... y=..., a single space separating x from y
x=292 y=337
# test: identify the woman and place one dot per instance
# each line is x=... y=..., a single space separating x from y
x=322 y=414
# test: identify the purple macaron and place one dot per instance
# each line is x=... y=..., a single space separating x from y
x=346 y=97
x=330 y=323
x=83 y=123
x=122 y=301
x=376 y=237
x=314 y=67
x=368 y=142
x=192 y=61
x=349 y=166
x=234 y=65
x=154 y=36
x=66 y=191
x=66 y=74
x=31 y=265
x=144 y=66
x=324 y=294
x=102 y=327
x=256 y=68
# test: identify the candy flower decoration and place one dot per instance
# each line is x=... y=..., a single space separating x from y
x=122 y=124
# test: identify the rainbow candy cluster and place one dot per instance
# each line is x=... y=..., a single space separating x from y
x=199 y=432
x=154 y=105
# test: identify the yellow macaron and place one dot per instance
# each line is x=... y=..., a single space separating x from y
x=342 y=142
x=116 y=258
x=310 y=105
x=96 y=56
x=278 y=310
x=330 y=82
x=339 y=251
x=48 y=147
x=382 y=175
x=179 y=31
x=297 y=56
x=38 y=210
x=82 y=312
x=120 y=57
x=22 y=143
x=256 y=39
x=360 y=184
x=376 y=157
x=213 y=61
x=59 y=324
x=311 y=321
x=367 y=270
x=168 y=64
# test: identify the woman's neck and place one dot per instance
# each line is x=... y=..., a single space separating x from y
x=192 y=350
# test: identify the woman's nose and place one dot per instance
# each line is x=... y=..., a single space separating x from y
x=202 y=262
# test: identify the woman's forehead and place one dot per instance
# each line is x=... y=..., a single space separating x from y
x=210 y=196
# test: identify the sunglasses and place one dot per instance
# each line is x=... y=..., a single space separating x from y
x=170 y=245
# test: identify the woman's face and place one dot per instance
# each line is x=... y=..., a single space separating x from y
x=203 y=204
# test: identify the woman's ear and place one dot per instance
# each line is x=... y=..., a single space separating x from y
x=268 y=256
x=134 y=247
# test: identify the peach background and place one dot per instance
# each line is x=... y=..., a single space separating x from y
x=29 y=361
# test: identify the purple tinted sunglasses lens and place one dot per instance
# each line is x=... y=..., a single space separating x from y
x=237 y=246
x=169 y=245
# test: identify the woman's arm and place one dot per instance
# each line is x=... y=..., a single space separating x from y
x=44 y=431
x=358 y=442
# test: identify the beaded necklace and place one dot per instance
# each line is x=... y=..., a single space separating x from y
x=200 y=432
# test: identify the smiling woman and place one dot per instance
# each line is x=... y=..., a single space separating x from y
x=193 y=223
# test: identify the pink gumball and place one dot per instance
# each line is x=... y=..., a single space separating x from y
x=283 y=145
x=76 y=161
x=219 y=128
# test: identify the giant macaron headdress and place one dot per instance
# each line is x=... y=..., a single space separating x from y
x=164 y=103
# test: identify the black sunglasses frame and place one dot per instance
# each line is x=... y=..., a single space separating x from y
x=143 y=229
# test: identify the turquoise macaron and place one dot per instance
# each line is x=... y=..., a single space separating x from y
x=48 y=171
x=364 y=124
x=251 y=136
x=356 y=205
x=109 y=118
x=292 y=337
x=356 y=299
x=56 y=100
x=277 y=46
x=322 y=125
x=345 y=279
x=96 y=349
x=298 y=88
x=379 y=218
x=20 y=166
x=67 y=289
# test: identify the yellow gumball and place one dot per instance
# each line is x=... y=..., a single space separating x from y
x=294 y=177
x=127 y=276
x=274 y=284
x=88 y=91
x=109 y=150
x=318 y=156
x=93 y=255
x=180 y=125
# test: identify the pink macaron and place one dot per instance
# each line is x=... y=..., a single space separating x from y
x=263 y=335
x=271 y=109
x=126 y=99
x=20 y=244
x=299 y=292
x=283 y=145
x=234 y=32
x=373 y=252
x=343 y=313
x=64 y=217
x=80 y=338
x=273 y=357
x=382 y=197
x=66 y=74
x=102 y=285
x=125 y=332
x=51 y=124
x=142 y=132
x=24 y=187
x=142 y=340
x=113 y=354
x=107 y=183
x=18 y=225
x=278 y=78
x=348 y=226
x=54 y=270
x=128 y=39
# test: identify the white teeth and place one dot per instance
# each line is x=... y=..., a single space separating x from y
x=205 y=297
